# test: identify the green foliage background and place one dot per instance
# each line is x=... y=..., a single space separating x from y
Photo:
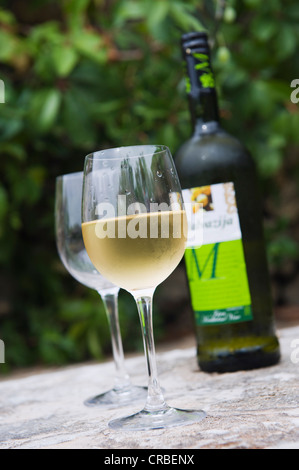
x=82 y=75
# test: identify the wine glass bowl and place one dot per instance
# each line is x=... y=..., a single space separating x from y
x=72 y=252
x=68 y=233
x=135 y=230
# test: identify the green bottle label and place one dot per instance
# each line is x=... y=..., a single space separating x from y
x=216 y=269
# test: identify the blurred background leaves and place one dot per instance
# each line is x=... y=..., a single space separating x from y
x=82 y=75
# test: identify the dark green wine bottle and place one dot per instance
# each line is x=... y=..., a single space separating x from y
x=228 y=273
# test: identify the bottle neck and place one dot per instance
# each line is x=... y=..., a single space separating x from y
x=200 y=85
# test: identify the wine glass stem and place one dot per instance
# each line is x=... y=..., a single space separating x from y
x=122 y=380
x=155 y=400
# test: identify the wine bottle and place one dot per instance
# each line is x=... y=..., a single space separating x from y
x=228 y=273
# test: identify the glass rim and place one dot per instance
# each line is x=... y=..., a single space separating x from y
x=69 y=175
x=99 y=154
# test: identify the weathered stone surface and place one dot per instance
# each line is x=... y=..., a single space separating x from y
x=248 y=409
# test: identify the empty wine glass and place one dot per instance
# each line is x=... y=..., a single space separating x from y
x=134 y=230
x=71 y=249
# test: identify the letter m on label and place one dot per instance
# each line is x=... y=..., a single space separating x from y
x=202 y=263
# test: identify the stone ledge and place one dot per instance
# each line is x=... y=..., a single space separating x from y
x=246 y=409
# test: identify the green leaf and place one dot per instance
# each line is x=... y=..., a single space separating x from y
x=278 y=90
x=264 y=28
x=10 y=126
x=14 y=149
x=64 y=58
x=9 y=44
x=6 y=17
x=44 y=109
x=103 y=107
x=286 y=41
x=76 y=118
x=269 y=161
x=157 y=15
x=90 y=45
x=45 y=32
x=281 y=249
x=74 y=12
x=130 y=10
x=185 y=20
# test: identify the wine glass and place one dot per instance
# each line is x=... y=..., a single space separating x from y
x=71 y=249
x=134 y=230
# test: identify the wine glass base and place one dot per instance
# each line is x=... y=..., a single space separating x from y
x=166 y=418
x=115 y=398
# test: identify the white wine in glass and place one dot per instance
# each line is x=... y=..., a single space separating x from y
x=137 y=262
x=135 y=229
x=72 y=252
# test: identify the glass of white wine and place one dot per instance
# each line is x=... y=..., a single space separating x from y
x=71 y=249
x=134 y=229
